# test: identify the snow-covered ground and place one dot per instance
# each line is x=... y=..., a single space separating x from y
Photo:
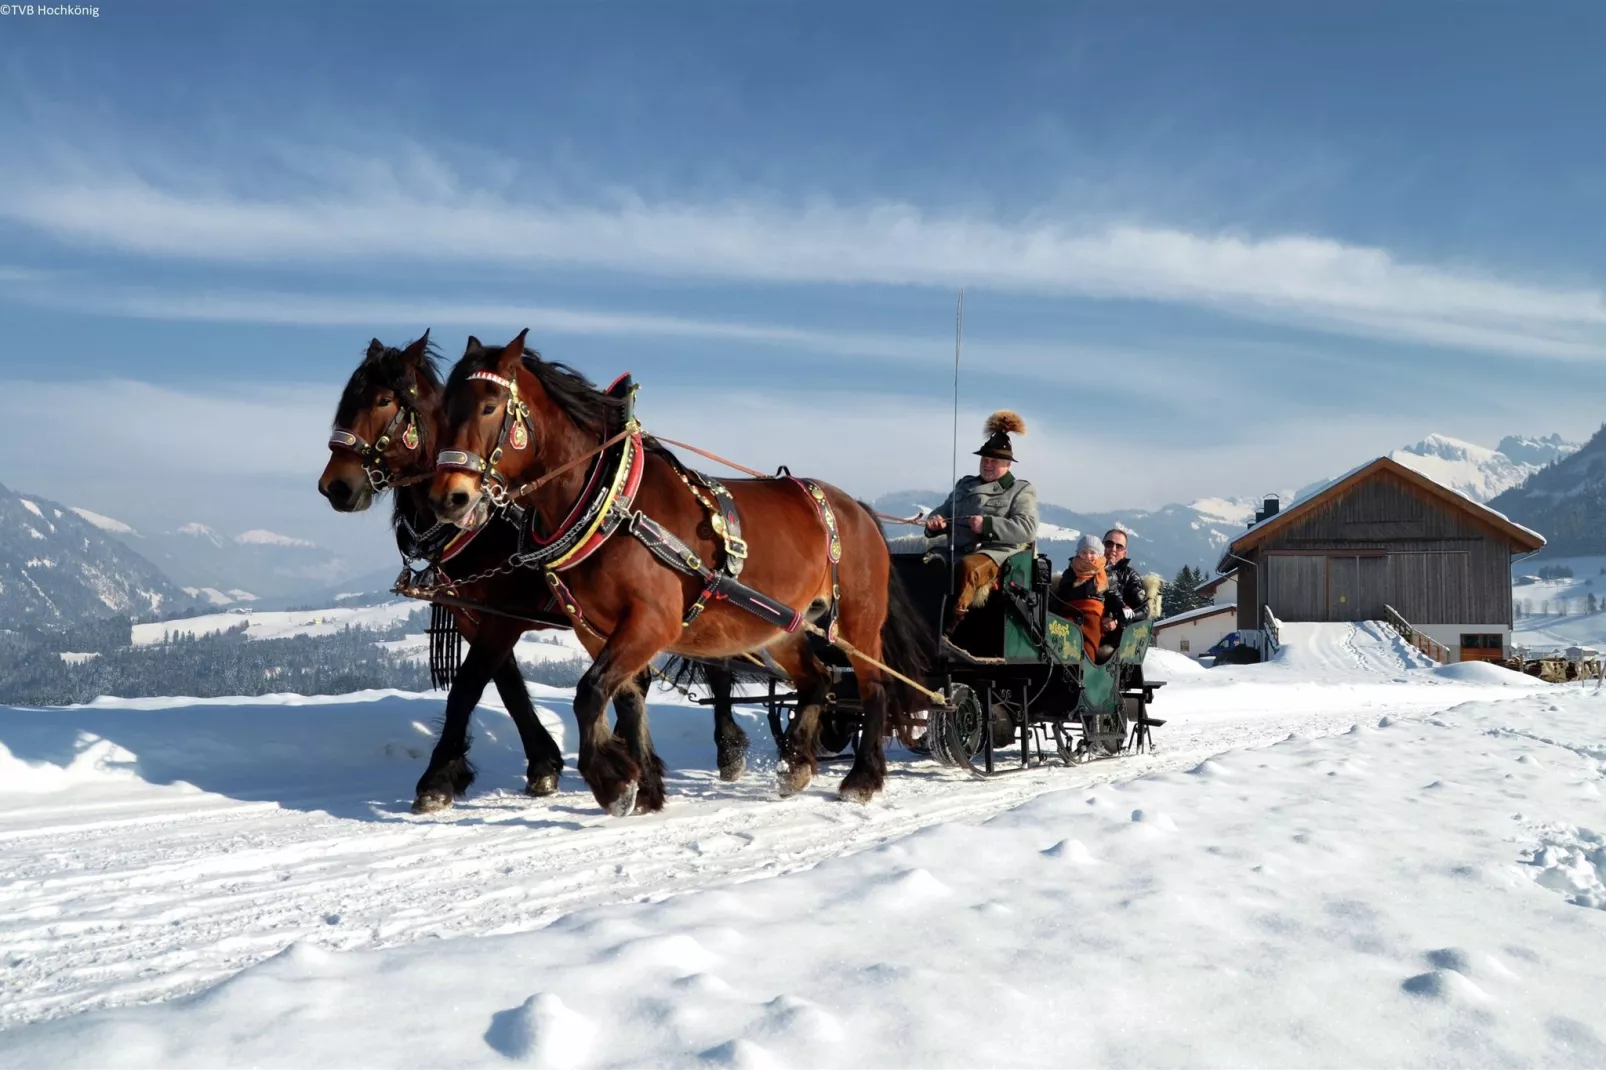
x=1346 y=856
x=1558 y=608
x=533 y=647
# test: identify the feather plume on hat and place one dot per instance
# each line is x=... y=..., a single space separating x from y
x=1005 y=422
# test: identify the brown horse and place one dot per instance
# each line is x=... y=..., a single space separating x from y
x=387 y=427
x=386 y=431
x=530 y=433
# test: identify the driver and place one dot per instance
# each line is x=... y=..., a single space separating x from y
x=994 y=515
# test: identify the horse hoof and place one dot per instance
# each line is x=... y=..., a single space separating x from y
x=855 y=795
x=793 y=781
x=626 y=802
x=541 y=786
x=733 y=771
x=431 y=801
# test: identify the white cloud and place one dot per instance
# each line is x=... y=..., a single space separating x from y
x=144 y=433
x=1306 y=280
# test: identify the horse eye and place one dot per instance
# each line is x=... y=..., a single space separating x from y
x=490 y=407
x=385 y=402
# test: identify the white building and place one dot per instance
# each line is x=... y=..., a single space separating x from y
x=1223 y=590
x=1196 y=631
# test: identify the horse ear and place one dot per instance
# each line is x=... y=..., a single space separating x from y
x=513 y=354
x=415 y=352
x=474 y=345
x=376 y=349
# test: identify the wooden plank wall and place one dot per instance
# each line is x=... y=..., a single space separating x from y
x=1443 y=567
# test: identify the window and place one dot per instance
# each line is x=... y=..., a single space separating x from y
x=1184 y=646
x=1481 y=641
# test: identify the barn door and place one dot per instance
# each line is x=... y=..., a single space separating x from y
x=1343 y=575
x=1357 y=587
x=1295 y=585
x=1372 y=586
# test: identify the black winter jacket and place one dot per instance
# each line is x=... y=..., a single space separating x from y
x=1125 y=580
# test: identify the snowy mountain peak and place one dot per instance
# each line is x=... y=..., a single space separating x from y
x=1465 y=467
x=200 y=531
x=104 y=523
x=262 y=537
x=1537 y=451
x=1450 y=449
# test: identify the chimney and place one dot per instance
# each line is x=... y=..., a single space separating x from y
x=1271 y=505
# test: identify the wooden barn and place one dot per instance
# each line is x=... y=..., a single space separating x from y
x=1389 y=544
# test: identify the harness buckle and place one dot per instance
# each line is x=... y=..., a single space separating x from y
x=735 y=546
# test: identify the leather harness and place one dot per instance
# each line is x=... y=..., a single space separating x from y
x=374 y=464
x=606 y=505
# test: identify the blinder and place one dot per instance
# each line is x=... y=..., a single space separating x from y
x=374 y=464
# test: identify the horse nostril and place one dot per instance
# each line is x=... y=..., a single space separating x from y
x=459 y=499
x=339 y=491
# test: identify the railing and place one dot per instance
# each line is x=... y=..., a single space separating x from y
x=1431 y=647
x=1273 y=629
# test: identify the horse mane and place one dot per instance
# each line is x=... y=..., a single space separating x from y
x=388 y=370
x=575 y=396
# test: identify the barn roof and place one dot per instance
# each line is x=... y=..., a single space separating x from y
x=1196 y=614
x=1523 y=539
x=1211 y=585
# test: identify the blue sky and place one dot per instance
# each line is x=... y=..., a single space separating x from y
x=1206 y=252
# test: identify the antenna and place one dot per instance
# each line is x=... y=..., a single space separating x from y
x=953 y=520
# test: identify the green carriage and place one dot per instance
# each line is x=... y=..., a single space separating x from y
x=1016 y=676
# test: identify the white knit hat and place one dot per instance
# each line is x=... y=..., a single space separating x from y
x=1090 y=542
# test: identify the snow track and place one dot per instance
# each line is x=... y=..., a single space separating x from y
x=162 y=848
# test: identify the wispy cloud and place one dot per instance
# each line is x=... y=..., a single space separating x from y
x=1051 y=362
x=1309 y=281
x=152 y=450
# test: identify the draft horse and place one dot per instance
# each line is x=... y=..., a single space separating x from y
x=387 y=428
x=620 y=531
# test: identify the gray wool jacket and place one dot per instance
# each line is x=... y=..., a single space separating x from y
x=1009 y=506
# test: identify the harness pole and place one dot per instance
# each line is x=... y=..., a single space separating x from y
x=953 y=481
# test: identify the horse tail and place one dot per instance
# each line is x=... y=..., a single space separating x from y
x=908 y=645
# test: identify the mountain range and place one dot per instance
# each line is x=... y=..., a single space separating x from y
x=1565 y=501
x=1164 y=539
x=60 y=564
x=222 y=569
x=57 y=567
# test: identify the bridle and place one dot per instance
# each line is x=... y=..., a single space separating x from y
x=374 y=464
x=514 y=434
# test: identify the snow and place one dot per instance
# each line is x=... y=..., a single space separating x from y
x=1195 y=614
x=32 y=508
x=1476 y=472
x=1235 y=511
x=104 y=523
x=1056 y=532
x=261 y=537
x=281 y=624
x=1344 y=856
x=72 y=658
x=200 y=531
x=209 y=594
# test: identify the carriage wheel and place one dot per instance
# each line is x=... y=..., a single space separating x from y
x=956 y=731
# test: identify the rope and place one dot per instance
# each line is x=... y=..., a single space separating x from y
x=914 y=521
x=583 y=458
x=852 y=651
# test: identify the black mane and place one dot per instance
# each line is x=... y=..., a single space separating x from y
x=578 y=397
x=389 y=371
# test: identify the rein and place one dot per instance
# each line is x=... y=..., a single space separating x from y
x=914 y=521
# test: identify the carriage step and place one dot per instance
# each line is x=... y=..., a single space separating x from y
x=959 y=653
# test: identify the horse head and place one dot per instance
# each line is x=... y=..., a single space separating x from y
x=384 y=427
